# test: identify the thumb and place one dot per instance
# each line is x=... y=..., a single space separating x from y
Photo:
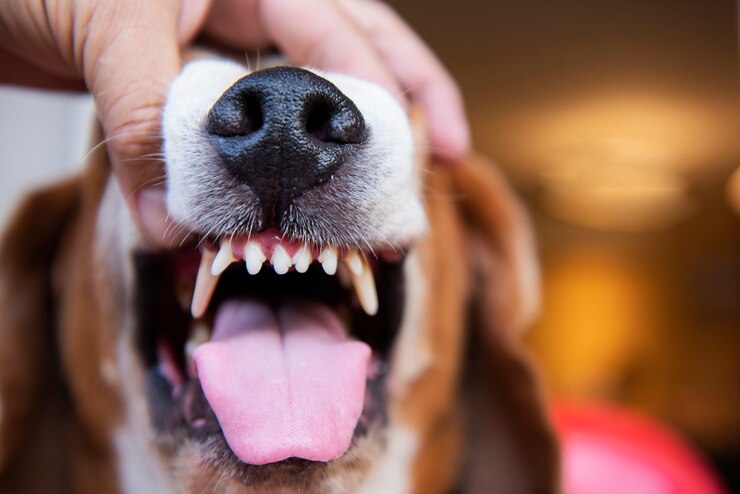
x=130 y=56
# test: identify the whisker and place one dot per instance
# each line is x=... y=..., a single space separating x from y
x=118 y=135
x=130 y=160
x=152 y=182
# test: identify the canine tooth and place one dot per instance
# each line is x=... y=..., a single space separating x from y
x=199 y=334
x=302 y=259
x=223 y=259
x=254 y=257
x=205 y=283
x=354 y=262
x=280 y=260
x=328 y=260
x=367 y=294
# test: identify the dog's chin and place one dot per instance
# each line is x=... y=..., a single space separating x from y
x=184 y=312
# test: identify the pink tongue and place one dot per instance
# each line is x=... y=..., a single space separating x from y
x=283 y=385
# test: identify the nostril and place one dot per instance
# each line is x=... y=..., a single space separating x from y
x=331 y=121
x=239 y=117
x=318 y=122
x=282 y=131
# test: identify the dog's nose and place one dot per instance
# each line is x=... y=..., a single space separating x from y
x=283 y=131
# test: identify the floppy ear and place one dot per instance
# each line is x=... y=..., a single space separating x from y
x=30 y=382
x=512 y=447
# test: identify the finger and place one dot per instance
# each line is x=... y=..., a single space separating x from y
x=236 y=24
x=419 y=72
x=192 y=15
x=22 y=72
x=151 y=203
x=319 y=34
x=130 y=56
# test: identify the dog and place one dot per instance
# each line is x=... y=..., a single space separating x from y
x=343 y=318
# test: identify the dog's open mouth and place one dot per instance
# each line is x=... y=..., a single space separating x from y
x=279 y=347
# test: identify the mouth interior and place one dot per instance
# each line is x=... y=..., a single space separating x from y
x=283 y=366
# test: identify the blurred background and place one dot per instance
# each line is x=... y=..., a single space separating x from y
x=619 y=123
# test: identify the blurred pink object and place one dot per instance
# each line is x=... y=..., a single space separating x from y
x=608 y=450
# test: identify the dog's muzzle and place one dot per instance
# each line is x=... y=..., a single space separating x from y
x=303 y=206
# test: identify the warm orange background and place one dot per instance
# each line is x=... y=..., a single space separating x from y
x=618 y=121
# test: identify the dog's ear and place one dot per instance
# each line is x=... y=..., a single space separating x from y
x=512 y=447
x=29 y=377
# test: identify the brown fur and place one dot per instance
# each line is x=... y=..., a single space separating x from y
x=55 y=434
x=58 y=329
x=475 y=216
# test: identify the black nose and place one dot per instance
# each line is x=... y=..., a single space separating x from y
x=283 y=131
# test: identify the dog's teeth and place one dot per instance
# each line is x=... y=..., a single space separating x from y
x=354 y=262
x=280 y=260
x=364 y=284
x=205 y=283
x=199 y=334
x=223 y=259
x=328 y=260
x=254 y=257
x=302 y=259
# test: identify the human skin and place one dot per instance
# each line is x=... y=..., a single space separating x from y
x=126 y=53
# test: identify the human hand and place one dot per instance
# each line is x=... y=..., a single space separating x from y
x=127 y=53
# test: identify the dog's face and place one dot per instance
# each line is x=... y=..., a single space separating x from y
x=311 y=334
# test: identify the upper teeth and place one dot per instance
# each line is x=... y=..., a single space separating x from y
x=354 y=263
x=302 y=259
x=213 y=264
x=253 y=256
x=280 y=260
x=223 y=259
x=205 y=284
x=328 y=260
x=364 y=284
